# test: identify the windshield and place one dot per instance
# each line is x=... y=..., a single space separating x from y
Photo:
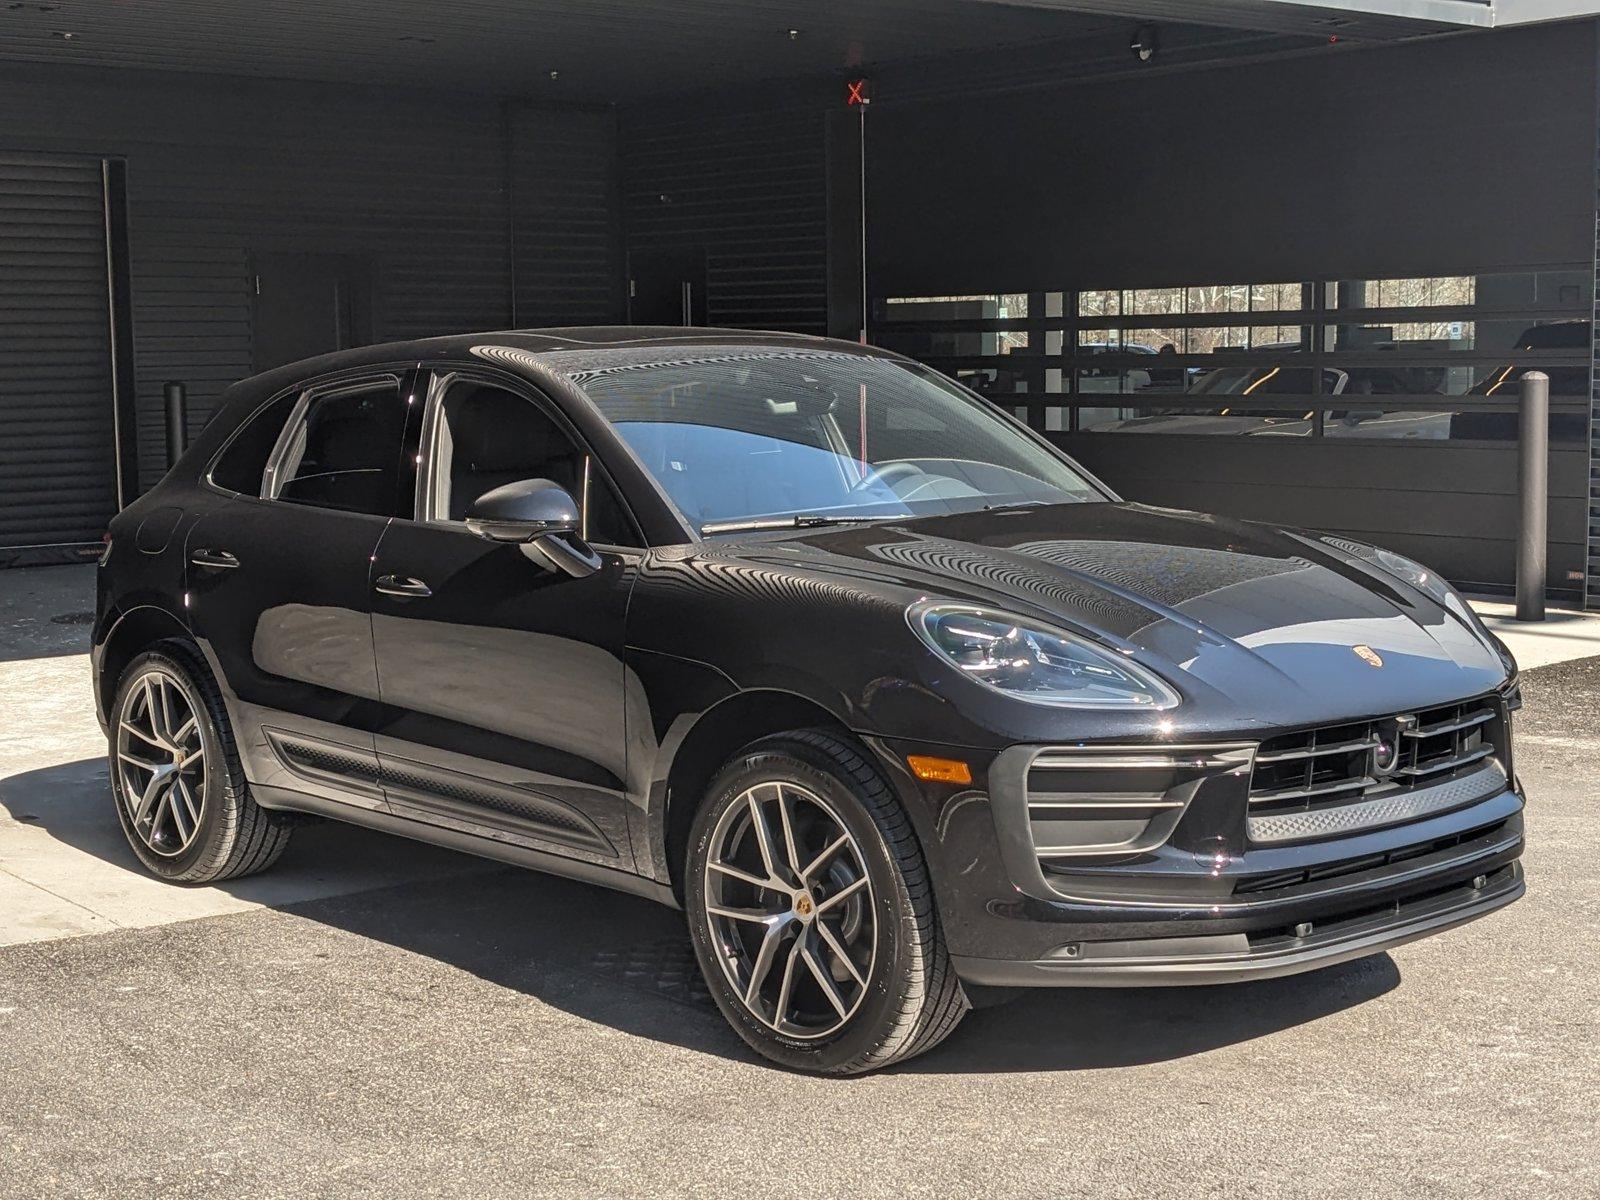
x=742 y=437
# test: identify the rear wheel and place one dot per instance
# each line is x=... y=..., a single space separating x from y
x=811 y=911
x=180 y=792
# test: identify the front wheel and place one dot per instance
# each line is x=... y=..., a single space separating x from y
x=811 y=911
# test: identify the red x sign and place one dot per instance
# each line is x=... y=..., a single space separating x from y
x=856 y=93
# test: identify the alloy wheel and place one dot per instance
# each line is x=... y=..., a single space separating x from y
x=162 y=764
x=790 y=907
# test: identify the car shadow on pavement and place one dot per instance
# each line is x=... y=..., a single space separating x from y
x=626 y=963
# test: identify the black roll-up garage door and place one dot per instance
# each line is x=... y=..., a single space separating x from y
x=57 y=469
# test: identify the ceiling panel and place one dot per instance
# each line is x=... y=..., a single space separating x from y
x=1363 y=20
x=602 y=50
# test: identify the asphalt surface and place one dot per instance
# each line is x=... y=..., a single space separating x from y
x=508 y=1034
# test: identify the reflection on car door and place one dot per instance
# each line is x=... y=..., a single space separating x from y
x=502 y=678
x=278 y=592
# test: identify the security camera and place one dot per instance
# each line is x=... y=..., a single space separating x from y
x=1144 y=43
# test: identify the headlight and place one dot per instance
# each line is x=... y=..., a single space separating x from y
x=1030 y=662
x=1414 y=573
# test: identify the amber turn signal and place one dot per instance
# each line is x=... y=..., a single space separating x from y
x=939 y=770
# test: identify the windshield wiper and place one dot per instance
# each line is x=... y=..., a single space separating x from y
x=798 y=521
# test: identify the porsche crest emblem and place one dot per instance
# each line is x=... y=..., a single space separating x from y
x=1368 y=655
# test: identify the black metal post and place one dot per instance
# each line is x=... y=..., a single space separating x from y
x=1533 y=478
x=175 y=399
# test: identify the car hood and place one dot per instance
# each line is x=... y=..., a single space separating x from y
x=1240 y=613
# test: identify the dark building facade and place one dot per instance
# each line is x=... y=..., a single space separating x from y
x=1353 y=248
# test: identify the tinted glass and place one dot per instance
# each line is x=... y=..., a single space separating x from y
x=345 y=453
x=489 y=437
x=244 y=462
x=735 y=435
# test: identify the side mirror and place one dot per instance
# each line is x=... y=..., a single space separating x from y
x=540 y=515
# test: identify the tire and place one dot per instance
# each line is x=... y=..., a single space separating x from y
x=201 y=824
x=897 y=995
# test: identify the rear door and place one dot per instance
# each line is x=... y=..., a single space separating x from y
x=279 y=585
x=502 y=679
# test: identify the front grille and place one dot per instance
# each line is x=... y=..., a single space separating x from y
x=1398 y=767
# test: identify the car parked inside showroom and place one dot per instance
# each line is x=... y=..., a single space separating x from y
x=901 y=706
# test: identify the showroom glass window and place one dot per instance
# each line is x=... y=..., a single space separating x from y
x=1397 y=357
x=343 y=451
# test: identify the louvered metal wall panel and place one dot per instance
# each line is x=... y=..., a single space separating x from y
x=220 y=169
x=57 y=473
x=749 y=184
x=564 y=178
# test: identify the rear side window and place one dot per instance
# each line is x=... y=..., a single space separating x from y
x=243 y=464
x=344 y=451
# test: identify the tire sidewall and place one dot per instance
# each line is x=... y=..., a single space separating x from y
x=896 y=964
x=204 y=846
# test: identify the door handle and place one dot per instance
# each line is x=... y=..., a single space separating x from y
x=394 y=585
x=219 y=560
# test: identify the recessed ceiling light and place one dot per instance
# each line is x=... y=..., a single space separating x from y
x=554 y=75
x=64 y=35
x=794 y=35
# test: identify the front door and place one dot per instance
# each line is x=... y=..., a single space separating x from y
x=501 y=677
x=279 y=592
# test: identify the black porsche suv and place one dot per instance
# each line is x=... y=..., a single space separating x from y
x=899 y=704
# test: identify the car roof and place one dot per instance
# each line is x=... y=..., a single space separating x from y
x=548 y=346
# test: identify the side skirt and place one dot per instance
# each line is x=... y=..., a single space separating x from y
x=517 y=856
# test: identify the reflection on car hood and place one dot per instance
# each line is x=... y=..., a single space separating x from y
x=1222 y=607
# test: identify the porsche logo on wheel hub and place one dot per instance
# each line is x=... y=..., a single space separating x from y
x=1368 y=655
x=802 y=905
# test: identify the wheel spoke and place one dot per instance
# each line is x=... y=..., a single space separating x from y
x=739 y=873
x=763 y=964
x=175 y=811
x=188 y=802
x=841 y=895
x=754 y=915
x=133 y=760
x=788 y=829
x=824 y=980
x=780 y=1013
x=181 y=735
x=758 y=822
x=152 y=790
x=190 y=759
x=152 y=714
x=838 y=949
x=161 y=713
x=828 y=852
x=150 y=739
x=155 y=817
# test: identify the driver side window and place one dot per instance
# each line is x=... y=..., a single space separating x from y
x=486 y=436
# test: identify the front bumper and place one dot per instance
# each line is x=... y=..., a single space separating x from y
x=1227 y=958
x=1189 y=897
